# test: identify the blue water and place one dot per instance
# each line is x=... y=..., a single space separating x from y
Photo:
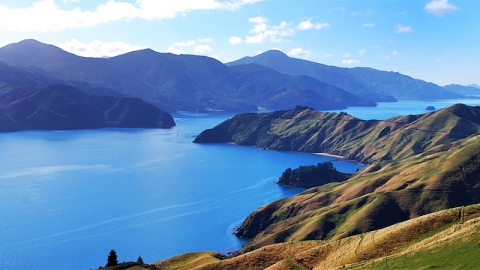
x=69 y=197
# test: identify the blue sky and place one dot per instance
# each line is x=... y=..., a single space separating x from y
x=433 y=40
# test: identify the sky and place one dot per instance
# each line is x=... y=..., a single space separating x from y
x=434 y=40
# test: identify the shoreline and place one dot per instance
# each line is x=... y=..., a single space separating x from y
x=331 y=155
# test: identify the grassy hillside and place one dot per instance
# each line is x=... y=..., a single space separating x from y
x=307 y=130
x=446 y=239
x=372 y=199
x=419 y=210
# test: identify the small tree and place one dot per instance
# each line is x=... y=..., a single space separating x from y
x=112 y=259
x=140 y=260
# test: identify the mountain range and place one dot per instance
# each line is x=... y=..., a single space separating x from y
x=469 y=90
x=179 y=82
x=374 y=84
x=271 y=80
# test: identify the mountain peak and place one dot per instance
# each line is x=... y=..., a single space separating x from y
x=273 y=53
x=268 y=58
x=30 y=52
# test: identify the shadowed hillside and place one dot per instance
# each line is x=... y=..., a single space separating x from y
x=60 y=107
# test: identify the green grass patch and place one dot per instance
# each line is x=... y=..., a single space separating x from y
x=460 y=254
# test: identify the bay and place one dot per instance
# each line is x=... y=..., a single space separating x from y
x=68 y=197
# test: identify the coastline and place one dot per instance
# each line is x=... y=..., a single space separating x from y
x=331 y=155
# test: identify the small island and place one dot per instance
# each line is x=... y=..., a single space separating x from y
x=312 y=175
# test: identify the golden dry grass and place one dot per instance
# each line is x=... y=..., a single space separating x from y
x=432 y=232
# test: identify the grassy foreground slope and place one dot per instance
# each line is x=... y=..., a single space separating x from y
x=446 y=239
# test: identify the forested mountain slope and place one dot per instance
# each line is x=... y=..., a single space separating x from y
x=376 y=85
x=179 y=82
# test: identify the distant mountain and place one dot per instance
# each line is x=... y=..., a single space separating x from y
x=61 y=107
x=180 y=82
x=29 y=100
x=307 y=130
x=463 y=90
x=366 y=82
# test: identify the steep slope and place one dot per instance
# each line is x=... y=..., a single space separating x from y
x=374 y=84
x=447 y=239
x=276 y=90
x=61 y=107
x=178 y=82
x=307 y=130
x=397 y=191
x=12 y=76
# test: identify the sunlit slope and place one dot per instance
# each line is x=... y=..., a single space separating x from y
x=446 y=239
x=396 y=192
x=369 y=141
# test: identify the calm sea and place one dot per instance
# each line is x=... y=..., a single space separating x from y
x=69 y=197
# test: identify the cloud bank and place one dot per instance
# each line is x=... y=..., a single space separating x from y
x=97 y=48
x=46 y=15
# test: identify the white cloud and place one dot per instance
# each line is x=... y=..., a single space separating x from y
x=202 y=49
x=306 y=25
x=205 y=40
x=362 y=52
x=299 y=52
x=349 y=61
x=439 y=7
x=263 y=32
x=235 y=40
x=48 y=16
x=403 y=29
x=97 y=48
x=182 y=44
x=368 y=25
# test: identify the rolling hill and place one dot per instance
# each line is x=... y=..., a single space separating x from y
x=418 y=211
x=373 y=84
x=306 y=130
x=446 y=239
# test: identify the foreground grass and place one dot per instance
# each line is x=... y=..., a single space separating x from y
x=454 y=254
x=448 y=239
